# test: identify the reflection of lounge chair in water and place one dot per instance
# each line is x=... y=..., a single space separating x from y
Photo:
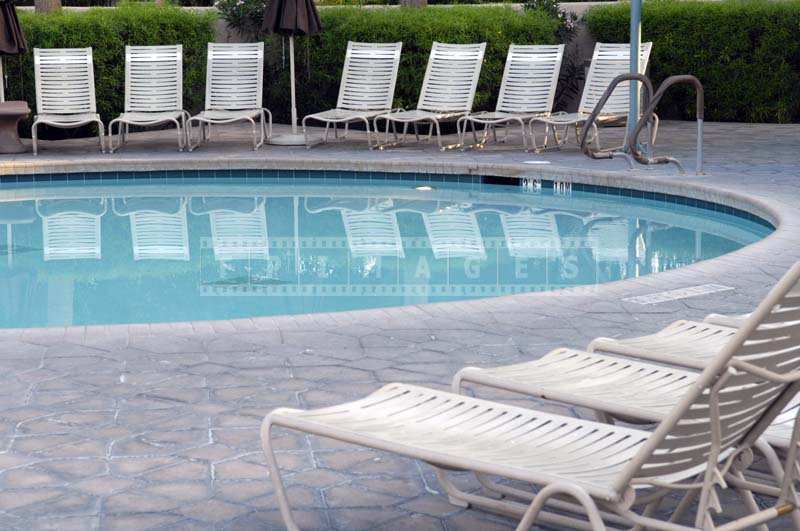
x=238 y=226
x=608 y=238
x=454 y=233
x=531 y=235
x=71 y=228
x=158 y=226
x=371 y=229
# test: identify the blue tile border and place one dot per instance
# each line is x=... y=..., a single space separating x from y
x=263 y=176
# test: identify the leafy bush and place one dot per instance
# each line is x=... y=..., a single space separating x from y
x=320 y=58
x=107 y=31
x=746 y=54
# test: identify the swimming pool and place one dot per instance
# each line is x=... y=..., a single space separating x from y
x=125 y=248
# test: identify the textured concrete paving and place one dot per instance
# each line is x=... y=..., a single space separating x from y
x=156 y=426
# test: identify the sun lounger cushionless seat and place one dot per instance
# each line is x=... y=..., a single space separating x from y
x=65 y=96
x=367 y=87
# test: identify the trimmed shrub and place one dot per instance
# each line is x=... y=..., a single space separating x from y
x=320 y=57
x=107 y=31
x=746 y=54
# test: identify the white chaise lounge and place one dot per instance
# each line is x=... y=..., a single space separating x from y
x=608 y=61
x=153 y=92
x=527 y=91
x=65 y=96
x=366 y=90
x=238 y=226
x=594 y=473
x=234 y=91
x=448 y=91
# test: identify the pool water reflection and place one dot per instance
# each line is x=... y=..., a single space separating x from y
x=156 y=253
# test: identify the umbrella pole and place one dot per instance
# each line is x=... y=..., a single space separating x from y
x=2 y=81
x=294 y=138
x=291 y=73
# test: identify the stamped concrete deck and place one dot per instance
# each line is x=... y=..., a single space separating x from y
x=157 y=425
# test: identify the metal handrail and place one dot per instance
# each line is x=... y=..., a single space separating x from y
x=647 y=115
x=590 y=121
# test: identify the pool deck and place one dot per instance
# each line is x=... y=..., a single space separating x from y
x=157 y=425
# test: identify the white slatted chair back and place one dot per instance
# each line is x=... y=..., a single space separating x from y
x=234 y=76
x=72 y=236
x=769 y=339
x=608 y=61
x=530 y=79
x=609 y=240
x=369 y=76
x=451 y=77
x=372 y=233
x=454 y=234
x=240 y=236
x=64 y=81
x=153 y=78
x=530 y=235
x=160 y=236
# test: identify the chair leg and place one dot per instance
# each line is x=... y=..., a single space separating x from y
x=35 y=138
x=101 y=136
x=180 y=134
x=580 y=495
x=305 y=131
x=369 y=133
x=275 y=475
x=435 y=122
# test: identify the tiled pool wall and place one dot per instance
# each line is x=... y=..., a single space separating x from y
x=271 y=176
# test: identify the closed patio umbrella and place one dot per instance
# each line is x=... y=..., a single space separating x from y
x=290 y=18
x=12 y=40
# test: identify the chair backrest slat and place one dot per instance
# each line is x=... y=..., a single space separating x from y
x=451 y=77
x=682 y=443
x=369 y=76
x=234 y=76
x=530 y=78
x=608 y=61
x=64 y=81
x=153 y=78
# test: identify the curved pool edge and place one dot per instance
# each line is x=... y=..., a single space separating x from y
x=724 y=269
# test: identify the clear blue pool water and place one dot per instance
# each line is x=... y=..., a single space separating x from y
x=158 y=250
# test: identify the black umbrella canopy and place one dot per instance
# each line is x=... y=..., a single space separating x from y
x=291 y=17
x=12 y=40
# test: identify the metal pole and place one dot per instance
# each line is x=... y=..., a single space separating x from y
x=291 y=69
x=636 y=41
x=2 y=82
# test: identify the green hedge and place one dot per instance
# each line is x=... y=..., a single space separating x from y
x=746 y=54
x=107 y=31
x=320 y=58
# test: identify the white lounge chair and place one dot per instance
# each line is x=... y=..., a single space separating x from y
x=531 y=235
x=238 y=227
x=153 y=92
x=366 y=89
x=71 y=228
x=234 y=91
x=158 y=227
x=527 y=91
x=634 y=391
x=454 y=234
x=603 y=470
x=448 y=90
x=65 y=95
x=608 y=61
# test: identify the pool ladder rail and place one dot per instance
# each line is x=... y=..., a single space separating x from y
x=631 y=150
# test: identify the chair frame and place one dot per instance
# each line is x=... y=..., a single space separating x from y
x=60 y=102
x=153 y=92
x=230 y=104
x=605 y=66
x=366 y=90
x=435 y=106
x=521 y=98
